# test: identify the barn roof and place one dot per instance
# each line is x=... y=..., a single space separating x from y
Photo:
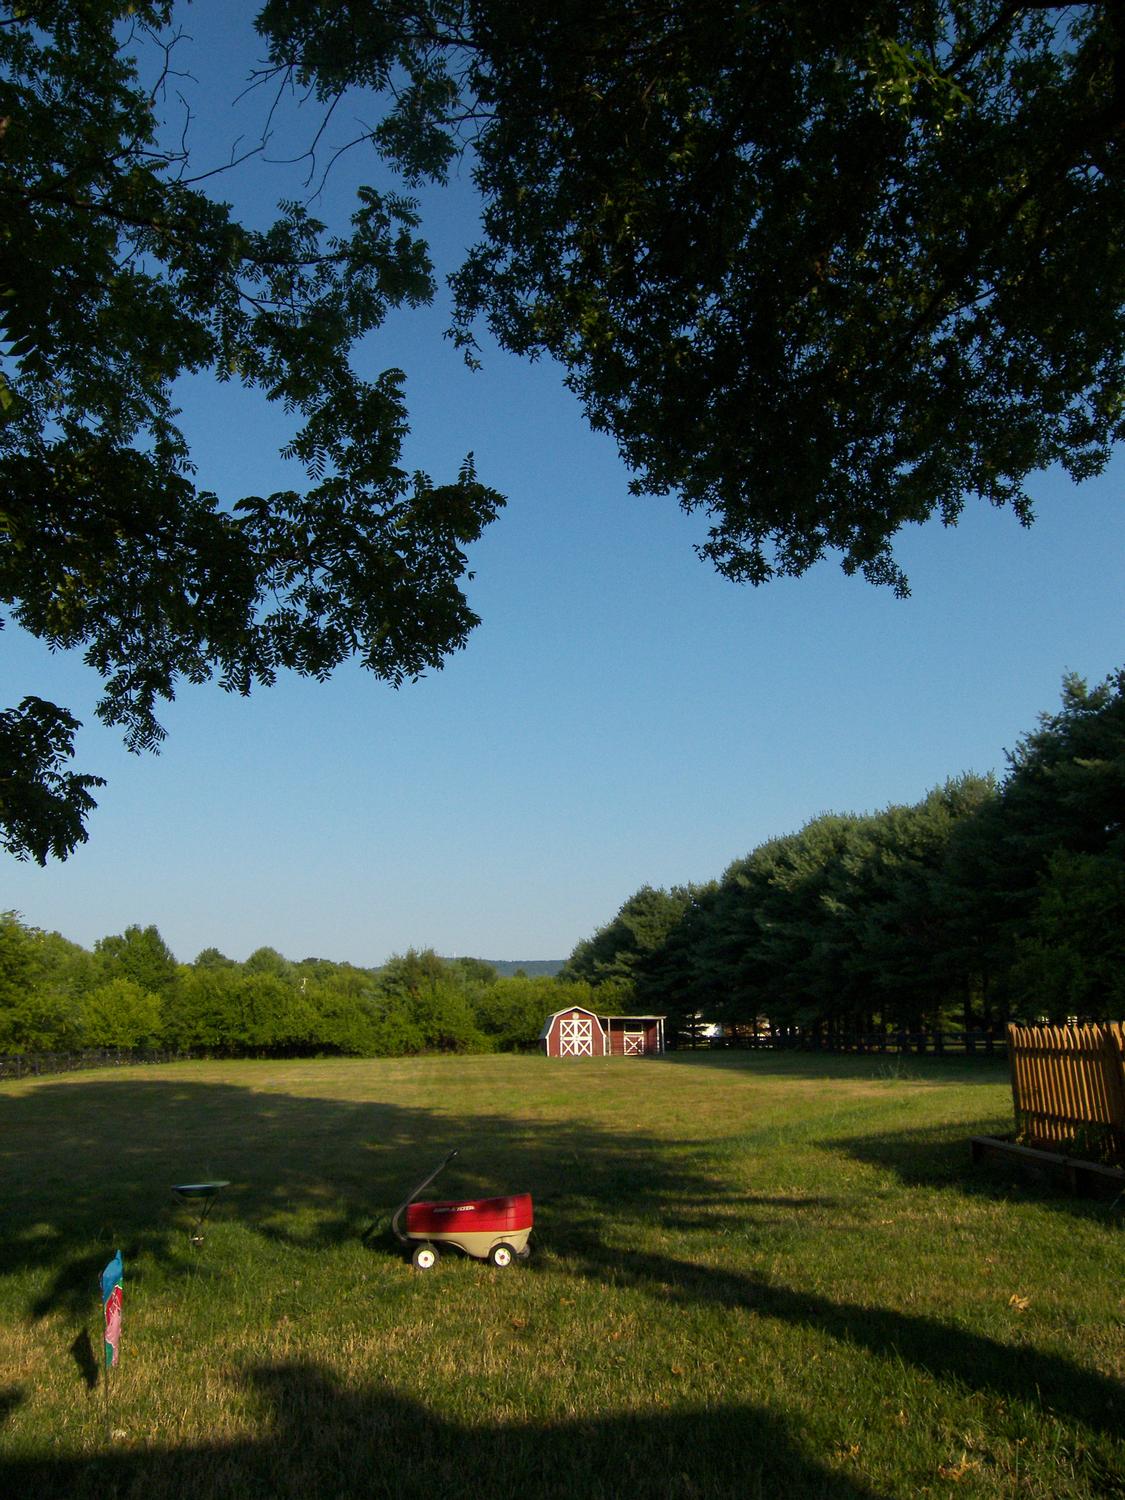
x=598 y=1016
x=566 y=1011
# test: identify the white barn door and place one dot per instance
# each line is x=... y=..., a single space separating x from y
x=576 y=1037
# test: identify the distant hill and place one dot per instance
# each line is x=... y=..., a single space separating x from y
x=530 y=966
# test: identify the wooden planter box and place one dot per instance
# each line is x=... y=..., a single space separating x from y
x=1086 y=1179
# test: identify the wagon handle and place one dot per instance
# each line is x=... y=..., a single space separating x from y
x=421 y=1188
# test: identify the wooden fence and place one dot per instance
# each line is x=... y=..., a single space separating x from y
x=1068 y=1088
x=935 y=1043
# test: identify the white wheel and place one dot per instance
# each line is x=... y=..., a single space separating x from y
x=424 y=1258
x=501 y=1256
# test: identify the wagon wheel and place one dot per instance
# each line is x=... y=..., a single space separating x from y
x=501 y=1255
x=524 y=1254
x=425 y=1257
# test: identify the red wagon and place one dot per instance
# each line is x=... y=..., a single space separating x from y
x=492 y=1229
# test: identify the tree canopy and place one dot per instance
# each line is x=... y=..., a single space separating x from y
x=119 y=274
x=981 y=902
x=129 y=993
x=821 y=271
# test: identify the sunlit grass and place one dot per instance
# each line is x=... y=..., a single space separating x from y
x=752 y=1275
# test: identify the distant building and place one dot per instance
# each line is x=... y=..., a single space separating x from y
x=577 y=1032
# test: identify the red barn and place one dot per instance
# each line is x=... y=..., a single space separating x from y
x=577 y=1032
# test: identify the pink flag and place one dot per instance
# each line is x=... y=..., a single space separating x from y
x=111 y=1297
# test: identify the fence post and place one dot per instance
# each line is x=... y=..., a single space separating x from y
x=1113 y=1045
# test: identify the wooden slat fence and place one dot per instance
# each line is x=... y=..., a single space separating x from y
x=1068 y=1088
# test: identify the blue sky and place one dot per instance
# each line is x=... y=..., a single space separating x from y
x=621 y=716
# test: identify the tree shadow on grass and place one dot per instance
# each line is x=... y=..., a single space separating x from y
x=939 y=1156
x=704 y=1218
x=944 y=1351
x=309 y=1171
x=82 y=1353
x=905 y=1067
x=96 y=1161
x=88 y=1167
x=324 y=1439
x=11 y=1396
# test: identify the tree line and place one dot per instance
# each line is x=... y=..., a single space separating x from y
x=130 y=993
x=988 y=900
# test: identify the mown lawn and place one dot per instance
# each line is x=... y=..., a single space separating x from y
x=752 y=1276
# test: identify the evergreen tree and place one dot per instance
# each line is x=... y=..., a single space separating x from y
x=1059 y=815
x=616 y=951
x=1071 y=961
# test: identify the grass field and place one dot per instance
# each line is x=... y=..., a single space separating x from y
x=753 y=1276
